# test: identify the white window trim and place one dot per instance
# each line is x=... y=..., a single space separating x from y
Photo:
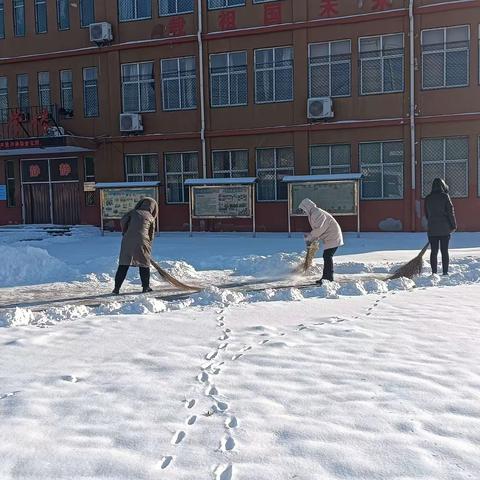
x=329 y=63
x=381 y=165
x=444 y=161
x=444 y=51
x=135 y=19
x=274 y=169
x=179 y=78
x=382 y=57
x=330 y=166
x=212 y=75
x=138 y=83
x=231 y=170
x=255 y=70
x=141 y=155
x=177 y=12
x=178 y=173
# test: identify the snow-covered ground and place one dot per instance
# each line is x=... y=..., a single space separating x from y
x=361 y=379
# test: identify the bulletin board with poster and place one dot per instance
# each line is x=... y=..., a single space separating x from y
x=337 y=194
x=117 y=199
x=217 y=198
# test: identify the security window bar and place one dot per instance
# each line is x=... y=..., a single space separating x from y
x=19 y=18
x=63 y=14
x=134 y=10
x=41 y=16
x=141 y=168
x=179 y=167
x=446 y=57
x=66 y=92
x=3 y=99
x=138 y=87
x=87 y=12
x=382 y=165
x=90 y=92
x=2 y=19
x=179 y=84
x=44 y=94
x=330 y=69
x=272 y=165
x=217 y=4
x=23 y=94
x=11 y=183
x=228 y=79
x=230 y=163
x=330 y=159
x=381 y=64
x=176 y=7
x=445 y=158
x=274 y=75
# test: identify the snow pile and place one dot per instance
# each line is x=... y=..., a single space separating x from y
x=216 y=296
x=143 y=306
x=375 y=286
x=352 y=289
x=17 y=318
x=179 y=269
x=401 y=284
x=27 y=265
x=25 y=316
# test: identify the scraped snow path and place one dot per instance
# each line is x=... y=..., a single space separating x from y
x=373 y=387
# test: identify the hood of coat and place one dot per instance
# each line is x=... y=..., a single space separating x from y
x=307 y=205
x=148 y=204
x=439 y=186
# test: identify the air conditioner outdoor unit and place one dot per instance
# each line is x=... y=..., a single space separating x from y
x=56 y=131
x=131 y=122
x=101 y=32
x=319 y=108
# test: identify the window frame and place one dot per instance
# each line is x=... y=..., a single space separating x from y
x=142 y=162
x=139 y=83
x=16 y=7
x=329 y=64
x=179 y=79
x=23 y=90
x=36 y=6
x=85 y=86
x=2 y=19
x=382 y=58
x=330 y=147
x=182 y=174
x=83 y=24
x=11 y=202
x=63 y=89
x=135 y=19
x=43 y=88
x=381 y=165
x=4 y=96
x=230 y=170
x=177 y=12
x=209 y=8
x=59 y=27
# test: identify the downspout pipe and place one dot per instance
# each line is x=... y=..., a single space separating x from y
x=413 y=140
x=202 y=87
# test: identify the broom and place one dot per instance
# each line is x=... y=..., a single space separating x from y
x=312 y=250
x=413 y=268
x=172 y=280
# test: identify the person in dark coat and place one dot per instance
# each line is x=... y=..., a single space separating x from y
x=441 y=223
x=138 y=229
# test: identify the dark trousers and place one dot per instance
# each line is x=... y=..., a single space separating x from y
x=435 y=243
x=122 y=273
x=328 y=264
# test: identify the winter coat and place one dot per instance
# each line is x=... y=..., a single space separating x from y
x=138 y=228
x=440 y=214
x=324 y=227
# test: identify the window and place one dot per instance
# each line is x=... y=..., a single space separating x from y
x=178 y=168
x=2 y=19
x=179 y=84
x=228 y=79
x=19 y=18
x=215 y=4
x=330 y=159
x=175 y=7
x=141 y=168
x=10 y=178
x=3 y=99
x=445 y=57
x=381 y=64
x=274 y=75
x=272 y=165
x=41 y=16
x=90 y=92
x=44 y=89
x=330 y=69
x=63 y=14
x=23 y=96
x=445 y=158
x=138 y=87
x=87 y=12
x=89 y=176
x=381 y=163
x=230 y=163
x=134 y=9
x=66 y=92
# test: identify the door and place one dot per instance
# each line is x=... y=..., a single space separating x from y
x=36 y=200
x=66 y=203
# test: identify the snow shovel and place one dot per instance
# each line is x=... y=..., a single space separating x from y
x=413 y=268
x=312 y=249
x=172 y=280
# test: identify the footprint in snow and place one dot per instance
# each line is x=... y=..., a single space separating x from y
x=166 y=461
x=211 y=355
x=223 y=337
x=221 y=406
x=9 y=394
x=221 y=324
x=223 y=472
x=69 y=378
x=178 y=437
x=191 y=420
x=211 y=390
x=246 y=348
x=223 y=346
x=227 y=443
x=237 y=356
x=202 y=377
x=263 y=342
x=231 y=422
x=190 y=403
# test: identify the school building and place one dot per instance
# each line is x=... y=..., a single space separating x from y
x=171 y=90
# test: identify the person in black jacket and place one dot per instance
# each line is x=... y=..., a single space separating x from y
x=441 y=223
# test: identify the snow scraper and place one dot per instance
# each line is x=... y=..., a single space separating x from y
x=413 y=268
x=312 y=249
x=171 y=279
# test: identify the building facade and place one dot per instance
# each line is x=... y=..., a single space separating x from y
x=223 y=92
